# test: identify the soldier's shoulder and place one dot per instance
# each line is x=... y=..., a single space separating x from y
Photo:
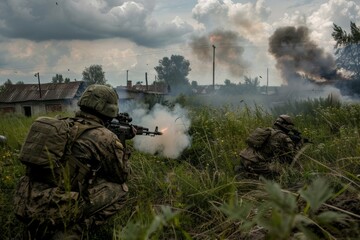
x=102 y=133
x=104 y=130
x=278 y=134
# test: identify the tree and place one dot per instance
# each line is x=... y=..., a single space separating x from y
x=94 y=75
x=228 y=82
x=174 y=72
x=344 y=39
x=255 y=82
x=194 y=84
x=5 y=85
x=8 y=83
x=348 y=49
x=58 y=78
x=230 y=88
x=251 y=85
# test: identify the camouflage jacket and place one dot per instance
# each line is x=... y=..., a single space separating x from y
x=279 y=148
x=37 y=201
x=102 y=149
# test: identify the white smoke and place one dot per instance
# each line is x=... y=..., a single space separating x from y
x=174 y=124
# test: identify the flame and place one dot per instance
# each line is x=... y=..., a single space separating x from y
x=214 y=38
x=164 y=130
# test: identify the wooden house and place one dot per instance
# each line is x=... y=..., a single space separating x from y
x=35 y=99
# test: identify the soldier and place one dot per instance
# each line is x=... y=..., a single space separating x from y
x=100 y=167
x=268 y=148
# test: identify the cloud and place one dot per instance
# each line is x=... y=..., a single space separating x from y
x=320 y=21
x=340 y=12
x=121 y=35
x=44 y=20
x=246 y=19
x=22 y=58
x=300 y=3
x=210 y=12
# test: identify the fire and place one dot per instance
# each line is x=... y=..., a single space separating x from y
x=214 y=38
x=164 y=130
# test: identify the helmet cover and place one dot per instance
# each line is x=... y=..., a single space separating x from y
x=101 y=99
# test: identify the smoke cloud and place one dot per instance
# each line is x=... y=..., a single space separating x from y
x=227 y=50
x=174 y=124
x=298 y=57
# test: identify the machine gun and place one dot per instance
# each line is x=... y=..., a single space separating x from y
x=297 y=138
x=124 y=130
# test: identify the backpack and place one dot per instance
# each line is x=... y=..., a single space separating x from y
x=48 y=144
x=258 y=138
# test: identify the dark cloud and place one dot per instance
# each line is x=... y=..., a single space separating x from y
x=44 y=20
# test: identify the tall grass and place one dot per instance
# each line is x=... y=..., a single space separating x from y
x=198 y=196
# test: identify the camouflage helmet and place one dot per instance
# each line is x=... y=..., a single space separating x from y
x=285 y=122
x=101 y=99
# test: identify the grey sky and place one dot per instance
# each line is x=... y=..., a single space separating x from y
x=65 y=36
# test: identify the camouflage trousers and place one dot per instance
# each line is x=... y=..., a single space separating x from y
x=52 y=213
x=255 y=170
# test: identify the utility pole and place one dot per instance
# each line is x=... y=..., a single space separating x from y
x=267 y=80
x=38 y=76
x=128 y=83
x=146 y=81
x=213 y=67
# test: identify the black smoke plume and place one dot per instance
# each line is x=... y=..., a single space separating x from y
x=298 y=57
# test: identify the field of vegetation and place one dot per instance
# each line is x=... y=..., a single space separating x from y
x=198 y=196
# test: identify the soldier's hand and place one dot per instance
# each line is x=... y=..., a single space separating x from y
x=131 y=133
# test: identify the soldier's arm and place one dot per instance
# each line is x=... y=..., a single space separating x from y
x=116 y=167
x=285 y=149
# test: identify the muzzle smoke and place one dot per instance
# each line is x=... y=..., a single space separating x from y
x=174 y=124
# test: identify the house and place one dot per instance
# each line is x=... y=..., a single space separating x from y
x=35 y=99
x=205 y=89
x=139 y=92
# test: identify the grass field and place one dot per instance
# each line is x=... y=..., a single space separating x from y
x=197 y=195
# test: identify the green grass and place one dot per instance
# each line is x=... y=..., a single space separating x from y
x=198 y=197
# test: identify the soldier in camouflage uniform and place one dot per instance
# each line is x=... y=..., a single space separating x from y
x=279 y=147
x=54 y=212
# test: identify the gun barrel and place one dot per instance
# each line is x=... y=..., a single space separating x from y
x=145 y=131
x=151 y=133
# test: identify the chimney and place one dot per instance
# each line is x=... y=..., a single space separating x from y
x=129 y=84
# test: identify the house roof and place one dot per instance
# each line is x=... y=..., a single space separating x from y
x=49 y=91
